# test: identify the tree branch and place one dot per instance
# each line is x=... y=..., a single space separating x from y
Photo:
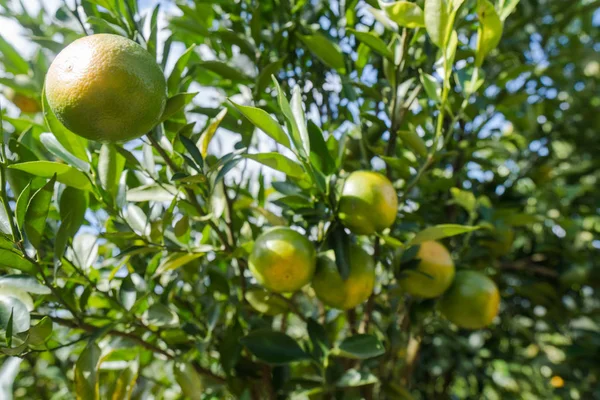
x=149 y=346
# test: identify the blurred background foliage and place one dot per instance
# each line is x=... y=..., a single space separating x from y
x=150 y=278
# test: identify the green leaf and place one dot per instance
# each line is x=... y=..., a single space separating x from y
x=320 y=155
x=152 y=39
x=86 y=373
x=40 y=333
x=13 y=315
x=431 y=87
x=20 y=295
x=110 y=167
x=273 y=347
x=464 y=199
x=292 y=126
x=192 y=150
x=360 y=347
x=318 y=337
x=354 y=378
x=128 y=293
x=404 y=13
x=340 y=243
x=382 y=17
x=6 y=243
x=300 y=118
x=325 y=50
x=73 y=205
x=508 y=8
x=438 y=21
x=397 y=391
x=414 y=142
x=126 y=383
x=391 y=241
x=102 y=25
x=12 y=259
x=175 y=77
x=11 y=59
x=85 y=250
x=176 y=104
x=4 y=220
x=450 y=54
x=374 y=42
x=265 y=75
x=489 y=31
x=160 y=315
x=64 y=173
x=176 y=260
x=37 y=212
x=108 y=4
x=263 y=121
x=22 y=203
x=225 y=71
x=210 y=131
x=73 y=143
x=25 y=283
x=52 y=144
x=138 y=221
x=189 y=381
x=278 y=162
x=440 y=232
x=265 y=302
x=154 y=192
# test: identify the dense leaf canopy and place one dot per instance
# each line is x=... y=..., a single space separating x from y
x=124 y=266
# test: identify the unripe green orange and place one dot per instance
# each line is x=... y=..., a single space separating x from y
x=368 y=203
x=107 y=88
x=282 y=260
x=342 y=294
x=434 y=273
x=472 y=302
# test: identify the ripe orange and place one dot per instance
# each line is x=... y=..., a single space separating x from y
x=368 y=203
x=107 y=88
x=434 y=273
x=282 y=260
x=26 y=104
x=335 y=292
x=472 y=301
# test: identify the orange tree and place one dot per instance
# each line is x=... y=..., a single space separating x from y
x=292 y=140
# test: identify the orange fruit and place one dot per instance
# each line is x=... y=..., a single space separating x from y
x=434 y=273
x=106 y=88
x=342 y=294
x=368 y=203
x=472 y=301
x=26 y=104
x=282 y=260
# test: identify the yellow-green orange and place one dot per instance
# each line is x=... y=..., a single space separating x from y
x=434 y=273
x=472 y=301
x=368 y=203
x=283 y=260
x=106 y=88
x=342 y=294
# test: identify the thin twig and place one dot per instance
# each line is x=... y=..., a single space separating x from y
x=75 y=13
x=527 y=266
x=80 y=339
x=155 y=349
